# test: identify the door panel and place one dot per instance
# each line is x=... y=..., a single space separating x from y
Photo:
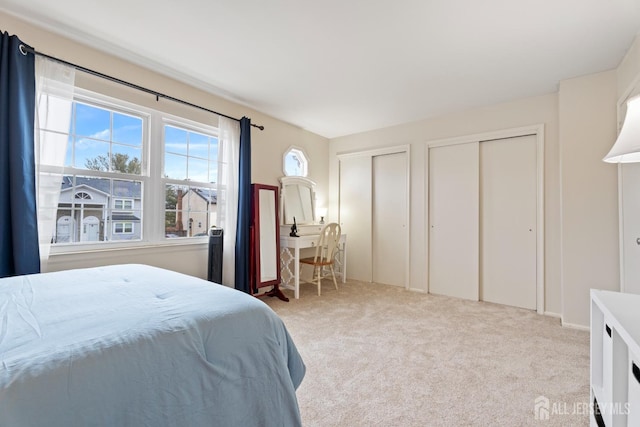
x=355 y=214
x=389 y=219
x=508 y=200
x=454 y=220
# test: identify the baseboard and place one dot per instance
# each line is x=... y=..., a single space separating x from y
x=575 y=326
x=551 y=314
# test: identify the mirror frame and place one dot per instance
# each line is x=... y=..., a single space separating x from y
x=301 y=181
x=266 y=242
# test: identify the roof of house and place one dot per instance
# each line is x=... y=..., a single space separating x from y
x=124 y=217
x=208 y=194
x=121 y=188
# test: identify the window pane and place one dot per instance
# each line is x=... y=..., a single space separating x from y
x=295 y=163
x=91 y=140
x=126 y=225
x=189 y=211
x=65 y=226
x=88 y=199
x=198 y=145
x=84 y=213
x=92 y=121
x=198 y=170
x=173 y=210
x=175 y=167
x=127 y=189
x=175 y=140
x=201 y=153
x=127 y=129
x=91 y=154
x=126 y=159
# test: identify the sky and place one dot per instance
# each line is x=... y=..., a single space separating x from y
x=94 y=132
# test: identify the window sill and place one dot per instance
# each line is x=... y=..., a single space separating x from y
x=169 y=244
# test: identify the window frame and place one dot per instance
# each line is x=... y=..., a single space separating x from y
x=124 y=228
x=152 y=204
x=304 y=160
x=190 y=126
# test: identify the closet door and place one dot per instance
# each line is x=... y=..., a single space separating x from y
x=508 y=200
x=355 y=214
x=390 y=219
x=454 y=220
x=630 y=206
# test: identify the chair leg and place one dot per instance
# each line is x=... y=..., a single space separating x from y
x=318 y=272
x=333 y=274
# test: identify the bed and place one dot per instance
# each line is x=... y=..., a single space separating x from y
x=134 y=345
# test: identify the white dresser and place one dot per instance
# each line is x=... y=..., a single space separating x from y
x=290 y=248
x=615 y=359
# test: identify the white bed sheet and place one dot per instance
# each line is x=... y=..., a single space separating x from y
x=134 y=345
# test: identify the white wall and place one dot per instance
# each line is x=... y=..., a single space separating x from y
x=628 y=72
x=587 y=110
x=525 y=112
x=268 y=146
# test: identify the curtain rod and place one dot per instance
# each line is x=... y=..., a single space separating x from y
x=27 y=49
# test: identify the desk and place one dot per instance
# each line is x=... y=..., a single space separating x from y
x=290 y=253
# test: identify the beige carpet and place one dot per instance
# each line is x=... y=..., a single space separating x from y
x=378 y=355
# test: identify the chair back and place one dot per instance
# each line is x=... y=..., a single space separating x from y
x=327 y=244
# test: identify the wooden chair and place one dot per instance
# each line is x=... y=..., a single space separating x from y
x=326 y=248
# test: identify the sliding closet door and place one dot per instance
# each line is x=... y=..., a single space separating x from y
x=454 y=220
x=355 y=214
x=390 y=219
x=508 y=221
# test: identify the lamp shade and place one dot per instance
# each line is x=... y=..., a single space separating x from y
x=627 y=146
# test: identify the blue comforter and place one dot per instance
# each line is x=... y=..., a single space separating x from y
x=133 y=345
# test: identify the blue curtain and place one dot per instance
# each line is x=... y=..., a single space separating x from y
x=19 y=252
x=242 y=281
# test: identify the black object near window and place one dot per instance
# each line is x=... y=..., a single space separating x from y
x=214 y=271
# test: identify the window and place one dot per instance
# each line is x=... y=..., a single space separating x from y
x=190 y=154
x=123 y=204
x=122 y=227
x=295 y=162
x=121 y=161
x=83 y=196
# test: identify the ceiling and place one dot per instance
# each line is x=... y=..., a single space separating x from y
x=338 y=67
